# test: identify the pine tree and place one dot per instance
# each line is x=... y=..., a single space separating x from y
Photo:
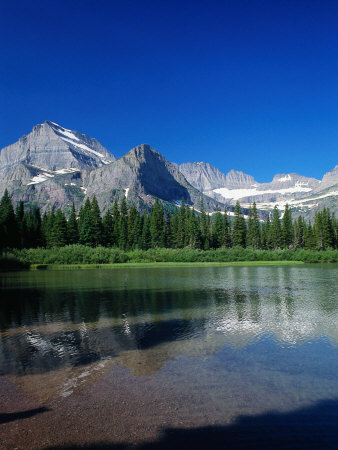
x=287 y=237
x=217 y=230
x=32 y=224
x=226 y=238
x=72 y=228
x=157 y=225
x=275 y=237
x=205 y=232
x=328 y=231
x=299 y=233
x=309 y=237
x=145 y=238
x=9 y=233
x=46 y=227
x=84 y=211
x=97 y=222
x=107 y=229
x=195 y=231
x=59 y=231
x=180 y=234
x=239 y=227
x=116 y=224
x=20 y=220
x=123 y=225
x=254 y=231
x=134 y=227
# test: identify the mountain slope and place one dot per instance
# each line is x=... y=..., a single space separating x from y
x=52 y=147
x=47 y=166
x=143 y=173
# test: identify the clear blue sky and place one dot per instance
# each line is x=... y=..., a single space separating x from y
x=250 y=85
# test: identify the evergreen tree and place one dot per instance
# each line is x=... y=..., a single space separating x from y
x=180 y=237
x=328 y=231
x=20 y=220
x=157 y=225
x=239 y=227
x=254 y=231
x=123 y=225
x=217 y=230
x=145 y=238
x=275 y=237
x=72 y=228
x=195 y=231
x=87 y=230
x=107 y=229
x=116 y=224
x=32 y=224
x=310 y=241
x=59 y=230
x=97 y=222
x=287 y=238
x=9 y=233
x=174 y=228
x=134 y=227
x=205 y=231
x=47 y=226
x=84 y=211
x=299 y=233
x=226 y=238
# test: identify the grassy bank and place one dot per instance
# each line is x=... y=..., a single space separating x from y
x=160 y=264
x=82 y=256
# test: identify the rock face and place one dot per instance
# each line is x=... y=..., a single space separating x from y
x=304 y=195
x=54 y=166
x=145 y=174
x=48 y=166
x=52 y=147
x=236 y=178
x=330 y=178
x=203 y=176
x=289 y=181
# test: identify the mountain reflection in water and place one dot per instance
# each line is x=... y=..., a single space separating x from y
x=168 y=356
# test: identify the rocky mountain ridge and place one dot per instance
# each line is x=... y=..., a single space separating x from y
x=55 y=166
x=305 y=195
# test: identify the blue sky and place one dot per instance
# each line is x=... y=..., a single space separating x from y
x=250 y=85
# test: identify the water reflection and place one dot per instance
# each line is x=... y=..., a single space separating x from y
x=54 y=319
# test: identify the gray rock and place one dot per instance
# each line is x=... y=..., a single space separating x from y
x=205 y=177
x=52 y=147
x=145 y=173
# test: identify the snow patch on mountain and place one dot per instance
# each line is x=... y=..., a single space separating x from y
x=236 y=194
x=83 y=147
x=286 y=178
x=41 y=177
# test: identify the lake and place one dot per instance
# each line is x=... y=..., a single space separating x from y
x=185 y=357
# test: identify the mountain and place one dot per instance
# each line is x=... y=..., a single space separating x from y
x=47 y=166
x=330 y=178
x=51 y=147
x=55 y=166
x=142 y=175
x=305 y=195
x=205 y=177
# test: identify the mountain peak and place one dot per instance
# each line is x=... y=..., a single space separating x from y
x=50 y=146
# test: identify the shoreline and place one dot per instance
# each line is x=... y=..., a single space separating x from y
x=152 y=265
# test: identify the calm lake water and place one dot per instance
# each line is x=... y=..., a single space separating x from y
x=188 y=357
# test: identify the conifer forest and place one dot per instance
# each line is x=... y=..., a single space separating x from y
x=123 y=227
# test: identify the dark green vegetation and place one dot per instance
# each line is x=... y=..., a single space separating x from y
x=124 y=235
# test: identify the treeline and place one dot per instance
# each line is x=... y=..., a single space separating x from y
x=126 y=229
